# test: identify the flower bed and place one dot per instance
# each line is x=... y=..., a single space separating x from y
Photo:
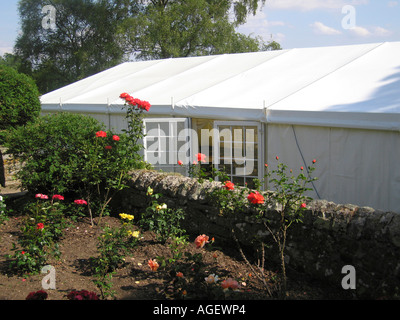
x=134 y=279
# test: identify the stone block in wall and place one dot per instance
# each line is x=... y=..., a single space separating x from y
x=9 y=168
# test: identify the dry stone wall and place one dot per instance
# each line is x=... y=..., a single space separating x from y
x=330 y=237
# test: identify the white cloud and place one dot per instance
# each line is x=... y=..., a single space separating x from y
x=312 y=4
x=360 y=31
x=381 y=32
x=392 y=4
x=260 y=21
x=259 y=25
x=320 y=28
x=372 y=32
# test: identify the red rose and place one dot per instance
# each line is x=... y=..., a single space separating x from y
x=58 y=197
x=145 y=105
x=80 y=201
x=201 y=157
x=40 y=226
x=256 y=198
x=101 y=134
x=180 y=162
x=124 y=95
x=115 y=138
x=303 y=205
x=108 y=147
x=314 y=161
x=229 y=185
x=129 y=99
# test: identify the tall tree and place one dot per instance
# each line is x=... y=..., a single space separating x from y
x=80 y=43
x=181 y=28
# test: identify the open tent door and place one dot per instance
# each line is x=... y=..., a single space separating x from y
x=238 y=149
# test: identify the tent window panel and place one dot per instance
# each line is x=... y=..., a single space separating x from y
x=152 y=128
x=166 y=142
x=155 y=143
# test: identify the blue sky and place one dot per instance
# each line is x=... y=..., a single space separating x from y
x=311 y=23
x=292 y=23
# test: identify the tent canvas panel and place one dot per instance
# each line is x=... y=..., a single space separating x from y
x=355 y=166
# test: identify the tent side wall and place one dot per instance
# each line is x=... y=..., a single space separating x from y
x=354 y=166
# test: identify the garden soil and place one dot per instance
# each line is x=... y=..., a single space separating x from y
x=135 y=280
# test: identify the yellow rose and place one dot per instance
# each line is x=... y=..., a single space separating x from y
x=135 y=234
x=126 y=216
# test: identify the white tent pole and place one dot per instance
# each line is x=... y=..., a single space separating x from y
x=264 y=125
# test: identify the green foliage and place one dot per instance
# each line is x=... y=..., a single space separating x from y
x=3 y=211
x=82 y=44
x=165 y=29
x=42 y=229
x=53 y=150
x=71 y=154
x=289 y=200
x=19 y=98
x=289 y=192
x=164 y=221
x=113 y=245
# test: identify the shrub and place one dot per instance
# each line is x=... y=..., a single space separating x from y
x=52 y=151
x=42 y=229
x=113 y=245
x=164 y=221
x=71 y=154
x=19 y=98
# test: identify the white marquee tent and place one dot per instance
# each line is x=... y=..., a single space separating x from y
x=339 y=105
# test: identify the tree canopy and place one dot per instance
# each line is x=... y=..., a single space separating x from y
x=81 y=44
x=87 y=36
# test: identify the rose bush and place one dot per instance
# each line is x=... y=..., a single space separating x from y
x=74 y=155
x=40 y=232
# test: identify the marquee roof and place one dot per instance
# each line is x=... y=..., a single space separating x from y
x=341 y=86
